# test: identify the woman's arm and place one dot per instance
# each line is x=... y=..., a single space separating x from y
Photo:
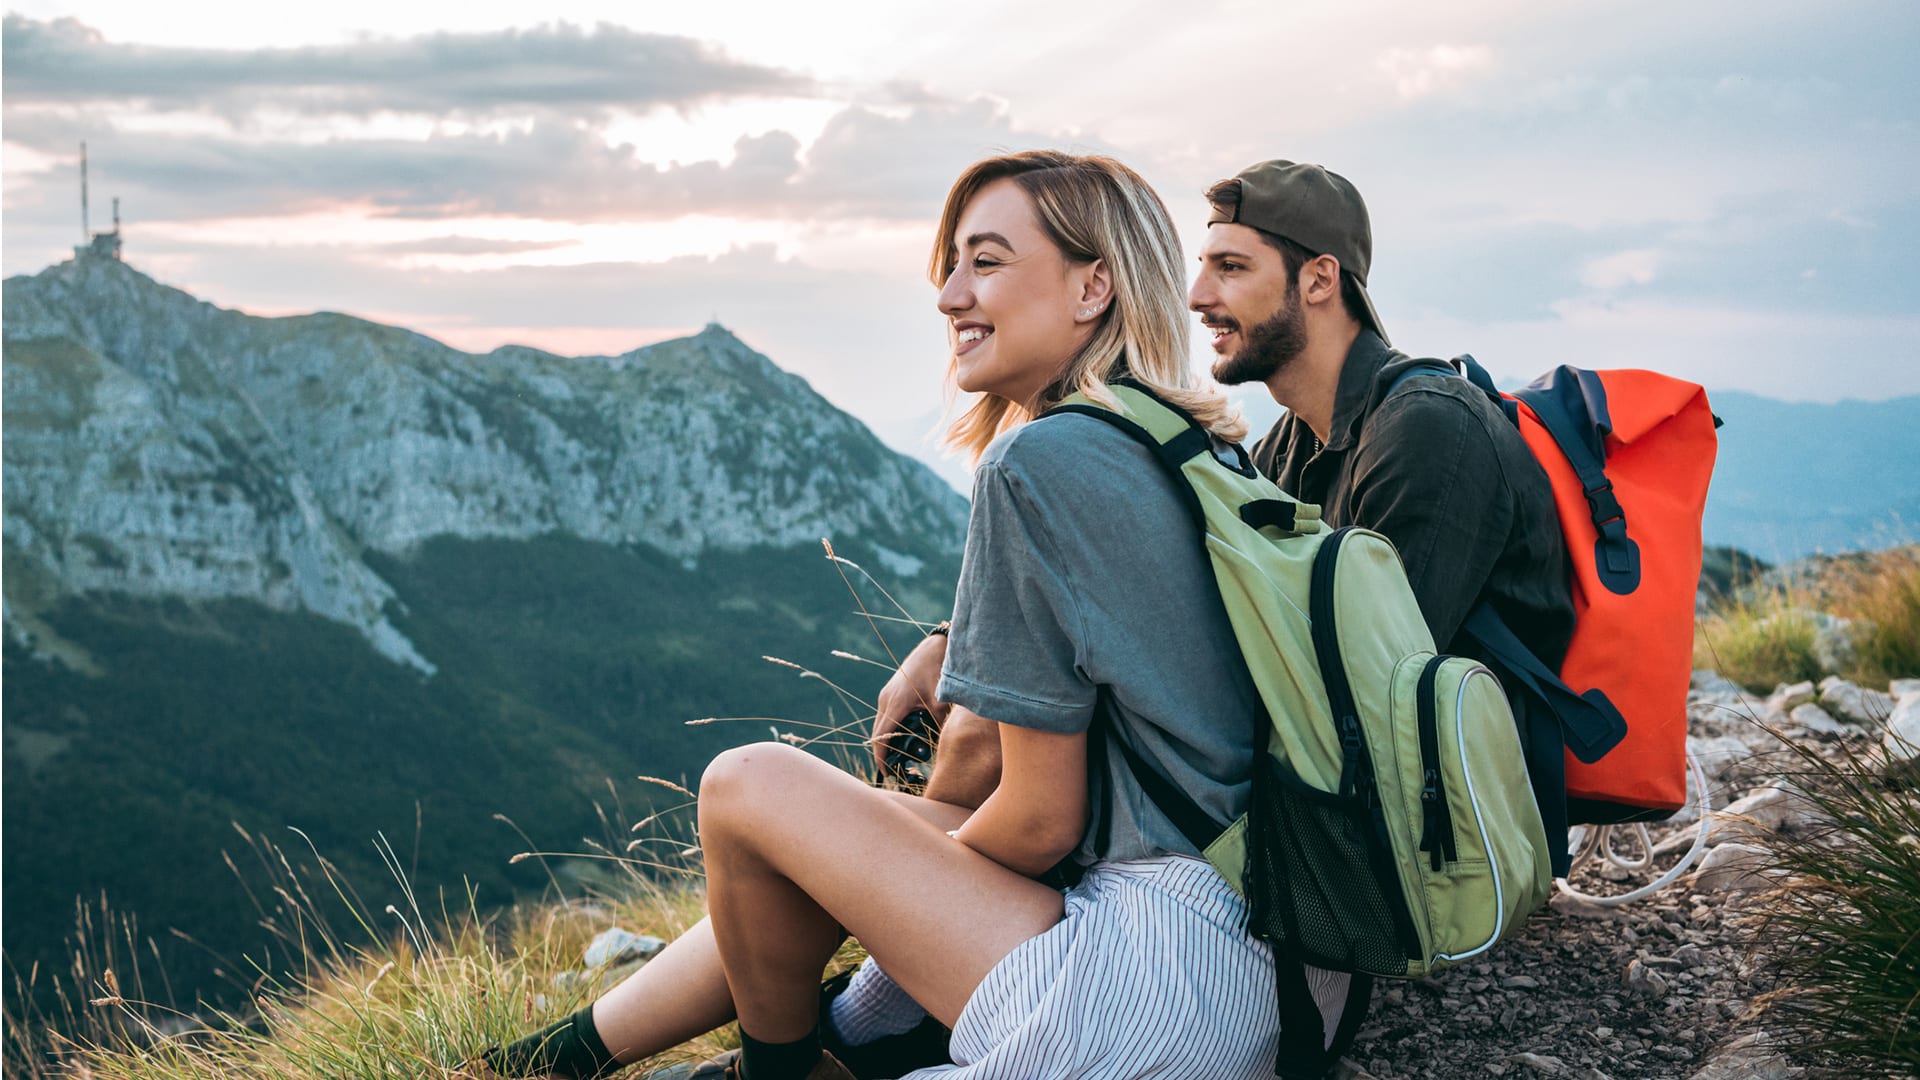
x=1039 y=812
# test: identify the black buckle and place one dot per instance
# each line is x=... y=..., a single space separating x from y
x=1603 y=505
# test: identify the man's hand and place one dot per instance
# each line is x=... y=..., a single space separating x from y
x=912 y=687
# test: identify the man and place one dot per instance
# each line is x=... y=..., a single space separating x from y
x=1429 y=462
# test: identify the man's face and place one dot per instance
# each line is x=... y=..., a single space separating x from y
x=1251 y=304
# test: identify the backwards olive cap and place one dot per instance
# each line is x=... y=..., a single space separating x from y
x=1317 y=209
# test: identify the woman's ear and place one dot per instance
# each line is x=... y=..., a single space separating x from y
x=1096 y=291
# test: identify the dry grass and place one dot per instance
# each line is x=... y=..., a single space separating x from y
x=1765 y=638
x=410 y=993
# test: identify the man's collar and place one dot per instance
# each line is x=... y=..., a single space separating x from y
x=1354 y=392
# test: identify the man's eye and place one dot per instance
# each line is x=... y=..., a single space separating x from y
x=1229 y=266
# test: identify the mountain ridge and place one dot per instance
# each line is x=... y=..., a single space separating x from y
x=244 y=426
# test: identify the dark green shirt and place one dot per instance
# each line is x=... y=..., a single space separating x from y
x=1438 y=469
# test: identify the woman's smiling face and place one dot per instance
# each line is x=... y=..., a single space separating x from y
x=1013 y=299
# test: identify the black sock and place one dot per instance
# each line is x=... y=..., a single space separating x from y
x=569 y=1048
x=778 y=1061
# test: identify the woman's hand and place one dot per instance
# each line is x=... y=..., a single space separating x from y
x=913 y=686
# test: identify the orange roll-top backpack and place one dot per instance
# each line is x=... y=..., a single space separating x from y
x=1629 y=454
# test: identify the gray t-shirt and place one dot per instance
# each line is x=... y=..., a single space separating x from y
x=1082 y=571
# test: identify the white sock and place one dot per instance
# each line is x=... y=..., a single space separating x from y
x=873 y=1006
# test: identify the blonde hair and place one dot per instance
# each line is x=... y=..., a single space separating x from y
x=1093 y=207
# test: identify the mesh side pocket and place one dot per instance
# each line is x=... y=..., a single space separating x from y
x=1318 y=888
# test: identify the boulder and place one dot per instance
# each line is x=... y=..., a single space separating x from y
x=1733 y=867
x=1900 y=688
x=1718 y=755
x=617 y=946
x=1712 y=682
x=1815 y=719
x=1767 y=810
x=1749 y=1057
x=1642 y=979
x=1903 y=733
x=1785 y=698
x=1850 y=702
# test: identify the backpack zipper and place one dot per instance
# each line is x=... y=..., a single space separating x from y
x=1436 y=830
x=1480 y=822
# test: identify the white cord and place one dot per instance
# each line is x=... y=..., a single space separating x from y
x=1603 y=841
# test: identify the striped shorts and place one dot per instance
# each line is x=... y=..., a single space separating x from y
x=1149 y=974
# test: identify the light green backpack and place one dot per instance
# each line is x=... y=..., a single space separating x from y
x=1392 y=829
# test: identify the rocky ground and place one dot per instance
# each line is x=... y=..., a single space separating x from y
x=1665 y=986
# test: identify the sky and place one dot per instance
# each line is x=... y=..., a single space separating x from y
x=1725 y=191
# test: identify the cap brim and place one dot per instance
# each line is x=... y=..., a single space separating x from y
x=1373 y=316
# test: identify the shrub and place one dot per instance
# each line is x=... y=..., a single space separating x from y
x=1843 y=933
x=1759 y=643
x=1884 y=597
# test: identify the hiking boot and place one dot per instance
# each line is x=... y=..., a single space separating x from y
x=925 y=1044
x=727 y=1067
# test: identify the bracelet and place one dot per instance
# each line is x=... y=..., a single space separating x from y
x=944 y=628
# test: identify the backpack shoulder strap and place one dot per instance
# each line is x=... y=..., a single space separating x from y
x=1177 y=439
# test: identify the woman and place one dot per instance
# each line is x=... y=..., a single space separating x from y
x=1085 y=602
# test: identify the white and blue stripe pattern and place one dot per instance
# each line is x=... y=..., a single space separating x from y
x=1149 y=974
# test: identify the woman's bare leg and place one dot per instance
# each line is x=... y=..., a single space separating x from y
x=796 y=850
x=682 y=993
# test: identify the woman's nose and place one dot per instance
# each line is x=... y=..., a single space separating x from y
x=957 y=294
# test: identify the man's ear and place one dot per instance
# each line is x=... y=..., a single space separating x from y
x=1320 y=280
x=1096 y=290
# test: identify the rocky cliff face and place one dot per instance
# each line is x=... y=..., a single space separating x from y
x=159 y=446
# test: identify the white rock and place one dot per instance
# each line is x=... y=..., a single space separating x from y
x=1541 y=1064
x=1850 y=702
x=617 y=946
x=1900 y=688
x=1815 y=719
x=1732 y=867
x=1644 y=980
x=1718 y=755
x=1785 y=699
x=1749 y=1057
x=1766 y=810
x=1712 y=682
x=1903 y=731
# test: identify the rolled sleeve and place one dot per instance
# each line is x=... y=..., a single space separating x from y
x=1017 y=651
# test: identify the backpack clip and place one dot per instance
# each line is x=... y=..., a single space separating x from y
x=1604 y=505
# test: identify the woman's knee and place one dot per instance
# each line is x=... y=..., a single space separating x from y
x=737 y=781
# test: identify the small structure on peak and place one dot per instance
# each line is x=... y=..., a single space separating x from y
x=103 y=245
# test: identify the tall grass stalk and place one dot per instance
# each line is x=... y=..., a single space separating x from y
x=1843 y=932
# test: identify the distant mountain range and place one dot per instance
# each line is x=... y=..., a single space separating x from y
x=316 y=572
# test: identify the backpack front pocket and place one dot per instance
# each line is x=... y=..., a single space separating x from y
x=1321 y=886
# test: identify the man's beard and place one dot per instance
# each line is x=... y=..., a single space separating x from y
x=1268 y=347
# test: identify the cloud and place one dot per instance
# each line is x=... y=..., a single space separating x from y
x=1418 y=72
x=465 y=245
x=556 y=66
x=866 y=164
x=1622 y=268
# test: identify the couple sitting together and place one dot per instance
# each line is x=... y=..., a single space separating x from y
x=1083 y=591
